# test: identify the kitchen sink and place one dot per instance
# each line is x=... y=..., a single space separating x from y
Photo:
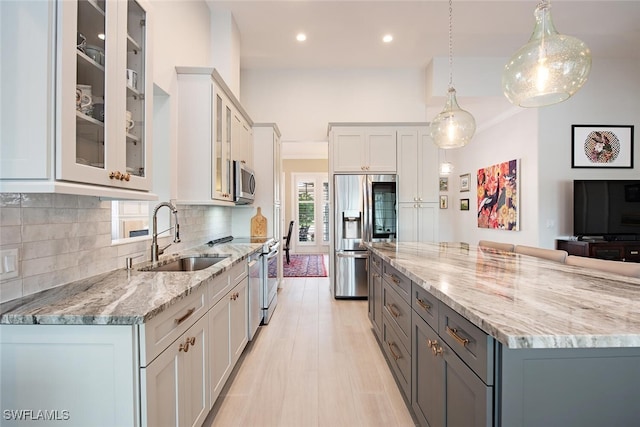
x=189 y=263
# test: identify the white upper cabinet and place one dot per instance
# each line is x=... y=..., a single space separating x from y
x=417 y=166
x=89 y=109
x=213 y=130
x=363 y=149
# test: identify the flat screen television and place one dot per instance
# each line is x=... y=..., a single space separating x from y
x=607 y=209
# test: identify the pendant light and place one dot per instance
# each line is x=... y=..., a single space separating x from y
x=446 y=167
x=453 y=127
x=549 y=69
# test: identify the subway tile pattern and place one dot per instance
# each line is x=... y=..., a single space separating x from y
x=63 y=238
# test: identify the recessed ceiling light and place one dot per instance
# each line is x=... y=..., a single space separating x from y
x=387 y=38
x=301 y=37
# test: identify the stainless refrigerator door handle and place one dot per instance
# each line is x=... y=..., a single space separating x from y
x=349 y=255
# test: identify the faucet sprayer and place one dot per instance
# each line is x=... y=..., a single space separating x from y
x=155 y=250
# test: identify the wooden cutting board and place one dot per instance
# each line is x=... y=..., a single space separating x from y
x=258 y=225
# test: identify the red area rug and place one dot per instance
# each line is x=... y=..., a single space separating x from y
x=301 y=266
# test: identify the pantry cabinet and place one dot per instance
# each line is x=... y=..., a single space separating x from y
x=214 y=130
x=362 y=149
x=87 y=119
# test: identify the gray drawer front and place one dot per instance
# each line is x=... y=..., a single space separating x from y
x=425 y=304
x=399 y=313
x=468 y=341
x=398 y=357
x=398 y=280
x=376 y=262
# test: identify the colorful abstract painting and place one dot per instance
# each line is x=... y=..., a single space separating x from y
x=498 y=196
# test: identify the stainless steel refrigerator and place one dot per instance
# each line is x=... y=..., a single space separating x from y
x=365 y=209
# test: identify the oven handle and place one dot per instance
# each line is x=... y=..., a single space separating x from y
x=352 y=255
x=271 y=254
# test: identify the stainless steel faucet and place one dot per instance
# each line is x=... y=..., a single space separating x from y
x=155 y=251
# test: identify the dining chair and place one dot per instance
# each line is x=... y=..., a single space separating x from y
x=556 y=255
x=287 y=242
x=631 y=269
x=496 y=245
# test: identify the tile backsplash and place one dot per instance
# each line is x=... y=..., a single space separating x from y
x=61 y=238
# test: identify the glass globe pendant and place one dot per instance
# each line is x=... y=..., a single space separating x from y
x=549 y=69
x=453 y=127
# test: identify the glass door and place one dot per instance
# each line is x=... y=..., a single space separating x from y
x=384 y=218
x=92 y=56
x=312 y=212
x=135 y=113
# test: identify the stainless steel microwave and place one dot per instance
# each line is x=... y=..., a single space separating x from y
x=244 y=187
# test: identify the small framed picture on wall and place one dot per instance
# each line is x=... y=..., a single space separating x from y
x=464 y=204
x=444 y=202
x=444 y=183
x=464 y=182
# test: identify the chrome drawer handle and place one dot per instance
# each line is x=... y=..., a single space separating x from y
x=423 y=304
x=454 y=333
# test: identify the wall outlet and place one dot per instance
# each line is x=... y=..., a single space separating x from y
x=8 y=264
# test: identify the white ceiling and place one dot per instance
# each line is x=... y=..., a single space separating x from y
x=347 y=34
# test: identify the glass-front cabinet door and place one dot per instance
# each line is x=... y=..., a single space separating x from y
x=101 y=107
x=222 y=184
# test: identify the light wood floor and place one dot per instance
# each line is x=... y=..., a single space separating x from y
x=317 y=363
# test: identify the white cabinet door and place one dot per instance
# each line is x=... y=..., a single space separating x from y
x=428 y=170
x=95 y=142
x=349 y=148
x=221 y=167
x=85 y=374
x=241 y=140
x=381 y=150
x=417 y=166
x=418 y=222
x=408 y=166
x=194 y=375
x=160 y=383
x=363 y=149
x=219 y=347
x=239 y=319
x=175 y=385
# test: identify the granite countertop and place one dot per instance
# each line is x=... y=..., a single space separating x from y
x=121 y=297
x=522 y=301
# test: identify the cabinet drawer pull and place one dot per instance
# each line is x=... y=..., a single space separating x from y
x=393 y=278
x=423 y=304
x=186 y=316
x=184 y=347
x=454 y=333
x=395 y=356
x=394 y=313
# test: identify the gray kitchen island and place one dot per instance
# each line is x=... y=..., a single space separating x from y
x=480 y=337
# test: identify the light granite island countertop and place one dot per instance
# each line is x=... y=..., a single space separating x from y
x=121 y=297
x=523 y=301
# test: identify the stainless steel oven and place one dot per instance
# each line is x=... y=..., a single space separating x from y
x=269 y=296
